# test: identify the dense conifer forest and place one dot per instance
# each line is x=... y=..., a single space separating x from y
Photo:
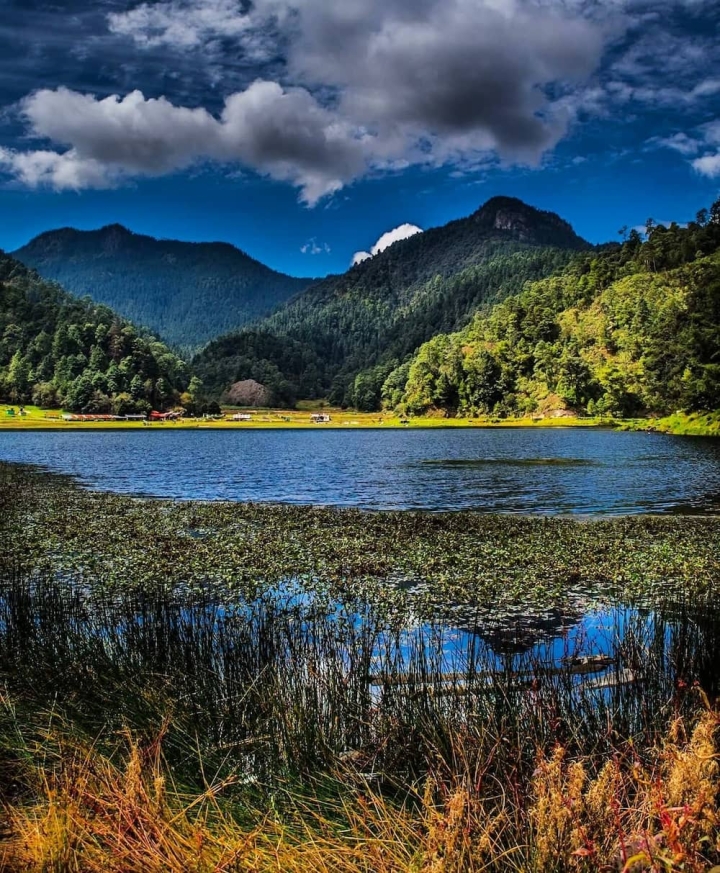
x=630 y=329
x=188 y=293
x=345 y=335
x=57 y=350
x=520 y=317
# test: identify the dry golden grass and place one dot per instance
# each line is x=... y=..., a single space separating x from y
x=102 y=813
x=659 y=816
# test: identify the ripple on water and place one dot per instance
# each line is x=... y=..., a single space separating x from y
x=538 y=471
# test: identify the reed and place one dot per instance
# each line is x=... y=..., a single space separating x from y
x=177 y=725
x=121 y=811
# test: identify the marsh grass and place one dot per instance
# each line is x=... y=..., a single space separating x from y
x=121 y=811
x=171 y=732
x=314 y=722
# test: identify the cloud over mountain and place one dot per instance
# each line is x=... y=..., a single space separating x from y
x=282 y=133
x=387 y=239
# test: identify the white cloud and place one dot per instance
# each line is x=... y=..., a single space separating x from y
x=313 y=247
x=705 y=139
x=367 y=85
x=708 y=165
x=132 y=134
x=711 y=132
x=679 y=142
x=59 y=171
x=392 y=236
x=404 y=231
x=182 y=24
x=707 y=88
x=385 y=84
x=450 y=77
x=642 y=228
x=282 y=133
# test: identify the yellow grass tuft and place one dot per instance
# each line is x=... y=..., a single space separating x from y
x=659 y=815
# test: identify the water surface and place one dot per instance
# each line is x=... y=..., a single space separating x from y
x=543 y=471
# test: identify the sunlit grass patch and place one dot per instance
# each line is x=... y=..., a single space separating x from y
x=122 y=812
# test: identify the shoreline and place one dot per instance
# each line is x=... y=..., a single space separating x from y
x=678 y=424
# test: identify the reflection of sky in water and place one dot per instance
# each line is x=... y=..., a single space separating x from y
x=540 y=640
x=637 y=646
x=640 y=648
x=505 y=641
x=501 y=470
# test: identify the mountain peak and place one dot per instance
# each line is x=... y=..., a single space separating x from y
x=187 y=292
x=114 y=237
x=115 y=229
x=513 y=217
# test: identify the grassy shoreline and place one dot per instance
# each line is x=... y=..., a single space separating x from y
x=678 y=424
x=703 y=424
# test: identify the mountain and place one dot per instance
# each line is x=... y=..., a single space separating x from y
x=628 y=330
x=189 y=293
x=345 y=334
x=56 y=350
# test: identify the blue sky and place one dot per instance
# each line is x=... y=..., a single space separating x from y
x=302 y=130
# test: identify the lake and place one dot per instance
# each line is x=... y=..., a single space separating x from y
x=538 y=471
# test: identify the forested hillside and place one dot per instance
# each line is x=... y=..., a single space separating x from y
x=506 y=312
x=189 y=293
x=346 y=334
x=56 y=350
x=633 y=328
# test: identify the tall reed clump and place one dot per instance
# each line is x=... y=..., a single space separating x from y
x=94 y=812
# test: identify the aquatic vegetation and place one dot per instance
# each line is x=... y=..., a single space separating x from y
x=214 y=686
x=442 y=559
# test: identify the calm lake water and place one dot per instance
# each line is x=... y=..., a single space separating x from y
x=527 y=471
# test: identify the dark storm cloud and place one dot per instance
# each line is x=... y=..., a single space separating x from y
x=461 y=70
x=44 y=45
x=317 y=93
x=456 y=67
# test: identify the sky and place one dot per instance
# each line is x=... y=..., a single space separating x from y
x=307 y=131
